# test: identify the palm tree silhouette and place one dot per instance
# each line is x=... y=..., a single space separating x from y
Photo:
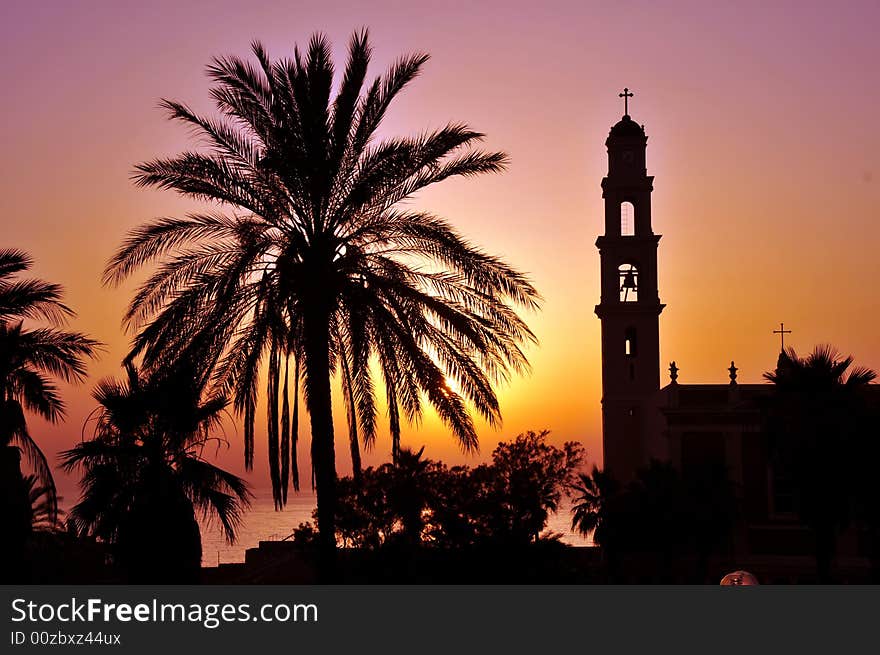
x=29 y=361
x=144 y=477
x=317 y=261
x=409 y=492
x=45 y=517
x=814 y=433
x=591 y=496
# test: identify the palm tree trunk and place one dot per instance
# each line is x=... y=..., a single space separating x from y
x=323 y=450
x=15 y=516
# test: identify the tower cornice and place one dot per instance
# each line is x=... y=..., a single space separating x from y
x=623 y=182
x=605 y=242
x=605 y=309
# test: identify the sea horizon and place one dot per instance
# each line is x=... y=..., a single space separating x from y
x=261 y=522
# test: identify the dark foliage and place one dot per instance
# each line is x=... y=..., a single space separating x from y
x=31 y=360
x=661 y=515
x=821 y=433
x=422 y=503
x=144 y=477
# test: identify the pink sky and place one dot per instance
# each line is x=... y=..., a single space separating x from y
x=762 y=140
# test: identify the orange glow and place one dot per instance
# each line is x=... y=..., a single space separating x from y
x=766 y=185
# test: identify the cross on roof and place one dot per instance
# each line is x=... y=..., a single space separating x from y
x=782 y=332
x=626 y=95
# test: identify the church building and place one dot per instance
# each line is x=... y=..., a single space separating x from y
x=685 y=424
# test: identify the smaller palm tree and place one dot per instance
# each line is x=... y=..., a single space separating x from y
x=409 y=492
x=813 y=424
x=589 y=511
x=144 y=477
x=30 y=362
x=44 y=517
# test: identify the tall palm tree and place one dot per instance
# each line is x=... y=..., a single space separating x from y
x=815 y=436
x=29 y=360
x=317 y=260
x=144 y=477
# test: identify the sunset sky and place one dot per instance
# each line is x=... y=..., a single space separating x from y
x=762 y=136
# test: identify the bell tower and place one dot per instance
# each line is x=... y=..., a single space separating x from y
x=630 y=306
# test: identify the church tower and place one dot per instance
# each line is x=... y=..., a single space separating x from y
x=630 y=306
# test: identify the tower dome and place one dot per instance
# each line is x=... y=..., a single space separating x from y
x=626 y=126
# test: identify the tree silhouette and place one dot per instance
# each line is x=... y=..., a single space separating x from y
x=815 y=435
x=530 y=477
x=663 y=516
x=316 y=260
x=419 y=503
x=144 y=477
x=45 y=517
x=30 y=361
x=592 y=494
x=409 y=492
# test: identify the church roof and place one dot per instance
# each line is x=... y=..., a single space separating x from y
x=626 y=126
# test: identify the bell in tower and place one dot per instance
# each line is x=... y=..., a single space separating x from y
x=628 y=284
x=629 y=307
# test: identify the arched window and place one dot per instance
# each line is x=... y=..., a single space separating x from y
x=629 y=342
x=627 y=219
x=629 y=282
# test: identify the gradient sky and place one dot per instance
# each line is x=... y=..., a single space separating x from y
x=762 y=138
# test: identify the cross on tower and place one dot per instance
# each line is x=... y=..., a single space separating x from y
x=626 y=95
x=782 y=332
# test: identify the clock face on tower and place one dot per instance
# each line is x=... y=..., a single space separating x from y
x=628 y=157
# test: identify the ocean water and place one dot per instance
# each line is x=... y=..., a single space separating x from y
x=263 y=523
